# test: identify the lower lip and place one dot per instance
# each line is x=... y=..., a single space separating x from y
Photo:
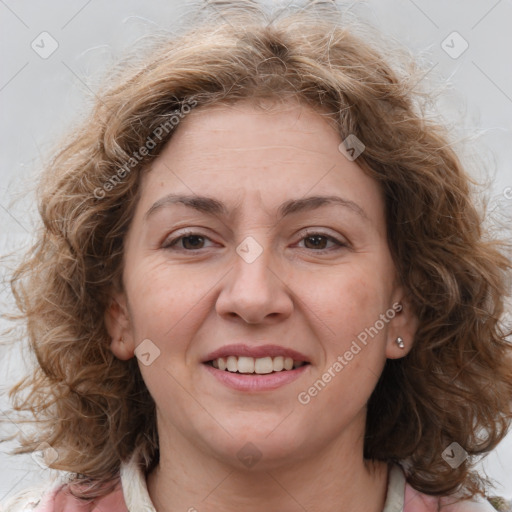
x=255 y=382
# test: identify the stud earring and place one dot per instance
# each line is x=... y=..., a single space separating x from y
x=400 y=342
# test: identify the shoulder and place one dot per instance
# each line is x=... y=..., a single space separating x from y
x=129 y=493
x=33 y=498
x=416 y=501
x=57 y=498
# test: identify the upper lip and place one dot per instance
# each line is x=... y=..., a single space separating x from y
x=256 y=352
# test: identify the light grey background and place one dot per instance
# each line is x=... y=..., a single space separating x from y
x=40 y=98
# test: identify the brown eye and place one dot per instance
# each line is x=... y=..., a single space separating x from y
x=188 y=242
x=192 y=242
x=319 y=242
x=315 y=242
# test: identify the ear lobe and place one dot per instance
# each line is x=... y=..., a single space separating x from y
x=402 y=329
x=117 y=321
x=121 y=349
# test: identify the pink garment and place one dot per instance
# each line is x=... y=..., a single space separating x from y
x=401 y=497
x=418 y=502
x=60 y=500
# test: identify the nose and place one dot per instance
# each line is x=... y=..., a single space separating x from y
x=255 y=292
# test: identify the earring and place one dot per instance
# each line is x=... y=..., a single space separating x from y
x=400 y=342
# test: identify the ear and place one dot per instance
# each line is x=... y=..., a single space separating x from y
x=404 y=325
x=118 y=323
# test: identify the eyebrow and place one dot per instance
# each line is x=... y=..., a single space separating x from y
x=212 y=206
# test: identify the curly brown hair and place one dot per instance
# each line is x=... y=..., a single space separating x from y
x=456 y=383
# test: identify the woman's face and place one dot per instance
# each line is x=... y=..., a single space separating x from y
x=256 y=239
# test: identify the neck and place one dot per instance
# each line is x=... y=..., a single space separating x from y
x=337 y=479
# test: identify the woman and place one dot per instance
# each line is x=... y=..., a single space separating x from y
x=262 y=284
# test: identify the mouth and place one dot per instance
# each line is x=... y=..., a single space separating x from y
x=256 y=368
x=256 y=365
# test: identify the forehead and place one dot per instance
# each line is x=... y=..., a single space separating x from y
x=269 y=153
x=249 y=126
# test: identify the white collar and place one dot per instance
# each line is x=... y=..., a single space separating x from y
x=135 y=490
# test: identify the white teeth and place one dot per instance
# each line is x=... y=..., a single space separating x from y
x=259 y=365
x=263 y=365
x=246 y=364
x=232 y=364
x=278 y=363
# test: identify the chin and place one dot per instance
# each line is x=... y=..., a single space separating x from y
x=255 y=450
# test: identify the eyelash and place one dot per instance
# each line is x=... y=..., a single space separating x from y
x=308 y=234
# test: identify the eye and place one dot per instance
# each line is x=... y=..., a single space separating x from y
x=189 y=241
x=321 y=242
x=192 y=241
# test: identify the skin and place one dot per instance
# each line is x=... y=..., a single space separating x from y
x=313 y=298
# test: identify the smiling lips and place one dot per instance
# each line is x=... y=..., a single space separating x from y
x=255 y=360
x=260 y=365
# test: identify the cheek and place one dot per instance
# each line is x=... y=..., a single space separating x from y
x=164 y=301
x=347 y=301
x=354 y=354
